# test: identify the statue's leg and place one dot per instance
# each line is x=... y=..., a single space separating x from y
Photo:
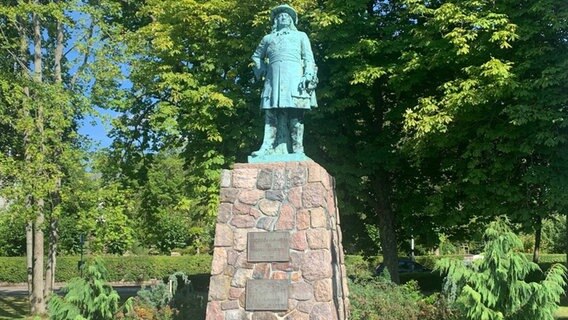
x=270 y=123
x=296 y=123
x=282 y=133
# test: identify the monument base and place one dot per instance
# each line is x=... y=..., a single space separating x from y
x=271 y=158
x=278 y=252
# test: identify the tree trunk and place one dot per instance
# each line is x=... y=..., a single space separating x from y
x=51 y=258
x=38 y=301
x=537 y=240
x=29 y=257
x=386 y=221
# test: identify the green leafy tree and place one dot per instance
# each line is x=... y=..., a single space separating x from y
x=496 y=286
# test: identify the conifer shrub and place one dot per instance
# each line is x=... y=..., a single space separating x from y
x=88 y=298
x=499 y=286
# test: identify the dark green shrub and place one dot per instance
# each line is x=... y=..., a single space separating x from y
x=85 y=298
x=498 y=287
x=127 y=268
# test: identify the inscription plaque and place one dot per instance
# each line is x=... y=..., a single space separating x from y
x=267 y=295
x=268 y=247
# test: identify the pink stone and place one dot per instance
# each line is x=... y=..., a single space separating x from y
x=317 y=265
x=232 y=256
x=219 y=288
x=214 y=311
x=301 y=291
x=241 y=208
x=295 y=197
x=314 y=195
x=261 y=271
x=315 y=173
x=240 y=237
x=322 y=290
x=297 y=259
x=297 y=315
x=250 y=196
x=321 y=311
x=286 y=220
x=243 y=263
x=255 y=213
x=219 y=260
x=269 y=207
x=298 y=241
x=318 y=218
x=296 y=276
x=229 y=305
x=264 y=316
x=243 y=221
x=282 y=266
x=225 y=212
x=305 y=306
x=279 y=179
x=229 y=271
x=318 y=239
x=229 y=194
x=245 y=178
x=235 y=293
x=279 y=275
x=303 y=219
x=296 y=177
x=223 y=235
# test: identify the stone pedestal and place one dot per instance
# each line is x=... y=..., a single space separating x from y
x=297 y=271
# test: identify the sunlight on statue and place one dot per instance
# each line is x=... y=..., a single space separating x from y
x=285 y=61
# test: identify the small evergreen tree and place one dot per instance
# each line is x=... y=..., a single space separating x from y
x=88 y=298
x=496 y=287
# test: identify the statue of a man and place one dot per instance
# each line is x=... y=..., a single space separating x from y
x=285 y=60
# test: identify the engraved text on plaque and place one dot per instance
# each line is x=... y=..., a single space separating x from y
x=267 y=295
x=268 y=246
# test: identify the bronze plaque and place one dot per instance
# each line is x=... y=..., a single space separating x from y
x=268 y=247
x=267 y=295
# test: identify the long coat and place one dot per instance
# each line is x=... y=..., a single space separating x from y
x=285 y=58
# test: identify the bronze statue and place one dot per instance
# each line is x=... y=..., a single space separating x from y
x=285 y=60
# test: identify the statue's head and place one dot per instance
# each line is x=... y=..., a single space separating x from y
x=286 y=9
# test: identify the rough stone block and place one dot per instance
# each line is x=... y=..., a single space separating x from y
x=245 y=178
x=318 y=218
x=264 y=180
x=295 y=197
x=298 y=241
x=230 y=305
x=322 y=290
x=314 y=195
x=223 y=235
x=319 y=266
x=251 y=196
x=266 y=223
x=318 y=238
x=322 y=311
x=225 y=212
x=286 y=220
x=219 y=288
x=275 y=195
x=229 y=194
x=219 y=260
x=269 y=207
x=301 y=291
x=243 y=221
x=214 y=311
x=226 y=178
x=240 y=278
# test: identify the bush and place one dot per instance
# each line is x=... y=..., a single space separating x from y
x=376 y=298
x=128 y=268
x=498 y=286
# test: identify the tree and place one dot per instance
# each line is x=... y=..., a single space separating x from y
x=41 y=102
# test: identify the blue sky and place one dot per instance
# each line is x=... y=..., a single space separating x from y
x=97 y=129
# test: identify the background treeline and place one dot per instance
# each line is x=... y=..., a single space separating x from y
x=435 y=117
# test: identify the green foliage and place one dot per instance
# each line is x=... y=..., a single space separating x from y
x=12 y=235
x=376 y=299
x=496 y=286
x=88 y=298
x=174 y=299
x=127 y=268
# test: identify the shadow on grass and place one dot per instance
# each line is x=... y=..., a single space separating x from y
x=13 y=307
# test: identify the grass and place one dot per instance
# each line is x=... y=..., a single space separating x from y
x=14 y=307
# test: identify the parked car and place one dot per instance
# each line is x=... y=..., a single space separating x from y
x=405 y=265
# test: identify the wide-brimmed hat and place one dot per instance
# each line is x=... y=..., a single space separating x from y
x=284 y=8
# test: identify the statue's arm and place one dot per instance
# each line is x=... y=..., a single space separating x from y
x=258 y=58
x=310 y=68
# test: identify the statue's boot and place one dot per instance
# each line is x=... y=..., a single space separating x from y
x=269 y=134
x=297 y=135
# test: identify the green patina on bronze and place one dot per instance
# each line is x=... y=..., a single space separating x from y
x=285 y=61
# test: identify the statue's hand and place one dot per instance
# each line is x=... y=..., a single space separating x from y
x=260 y=72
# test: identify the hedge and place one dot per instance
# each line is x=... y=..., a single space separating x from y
x=127 y=268
x=143 y=268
